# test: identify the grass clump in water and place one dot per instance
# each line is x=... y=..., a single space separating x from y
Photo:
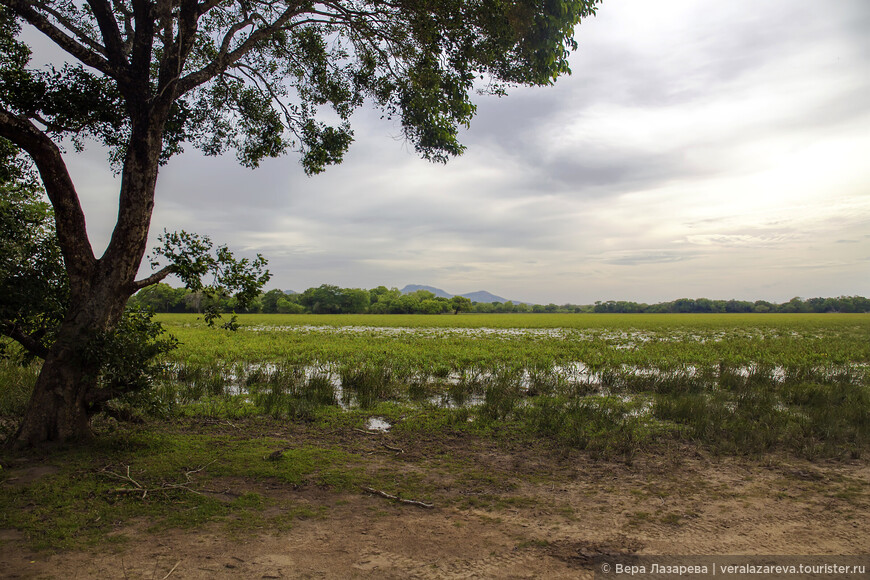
x=287 y=392
x=605 y=425
x=367 y=384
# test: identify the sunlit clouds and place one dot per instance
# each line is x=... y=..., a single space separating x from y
x=699 y=149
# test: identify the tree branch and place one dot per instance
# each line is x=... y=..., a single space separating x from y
x=128 y=26
x=176 y=50
x=69 y=217
x=208 y=5
x=80 y=34
x=141 y=51
x=30 y=343
x=226 y=57
x=27 y=11
x=152 y=279
x=110 y=31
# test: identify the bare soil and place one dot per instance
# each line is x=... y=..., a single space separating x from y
x=526 y=511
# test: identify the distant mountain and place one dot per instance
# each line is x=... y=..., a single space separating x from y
x=479 y=296
x=411 y=288
x=484 y=296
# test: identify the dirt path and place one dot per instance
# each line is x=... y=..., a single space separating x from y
x=540 y=515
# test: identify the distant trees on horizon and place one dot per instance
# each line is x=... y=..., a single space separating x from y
x=329 y=299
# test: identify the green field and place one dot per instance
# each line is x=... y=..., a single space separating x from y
x=424 y=343
x=744 y=383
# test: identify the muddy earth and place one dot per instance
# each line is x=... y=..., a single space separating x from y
x=501 y=510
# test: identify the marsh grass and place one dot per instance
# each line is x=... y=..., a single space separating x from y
x=288 y=391
x=819 y=411
x=618 y=384
x=756 y=412
x=502 y=393
x=368 y=384
x=604 y=425
x=16 y=384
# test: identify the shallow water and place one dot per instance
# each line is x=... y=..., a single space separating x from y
x=459 y=389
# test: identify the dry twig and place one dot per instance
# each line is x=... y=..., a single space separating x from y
x=139 y=488
x=399 y=499
x=168 y=574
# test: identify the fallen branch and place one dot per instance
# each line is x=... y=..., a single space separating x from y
x=173 y=570
x=396 y=449
x=398 y=499
x=139 y=488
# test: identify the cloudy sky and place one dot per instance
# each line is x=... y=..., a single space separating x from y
x=700 y=149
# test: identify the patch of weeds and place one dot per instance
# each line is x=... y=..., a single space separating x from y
x=331 y=418
x=250 y=514
x=285 y=392
x=459 y=393
x=250 y=500
x=393 y=412
x=223 y=407
x=753 y=413
x=245 y=521
x=421 y=388
x=161 y=477
x=434 y=420
x=77 y=507
x=367 y=384
x=638 y=518
x=343 y=479
x=607 y=426
x=295 y=466
x=503 y=393
x=17 y=380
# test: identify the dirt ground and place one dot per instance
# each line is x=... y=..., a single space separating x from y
x=544 y=513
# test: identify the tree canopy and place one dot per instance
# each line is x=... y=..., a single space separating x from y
x=253 y=75
x=261 y=78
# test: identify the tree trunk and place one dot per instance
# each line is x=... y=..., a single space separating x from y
x=68 y=384
x=60 y=407
x=58 y=411
x=62 y=401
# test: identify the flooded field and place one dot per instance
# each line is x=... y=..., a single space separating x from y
x=589 y=379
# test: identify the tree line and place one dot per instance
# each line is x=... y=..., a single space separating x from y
x=329 y=299
x=702 y=305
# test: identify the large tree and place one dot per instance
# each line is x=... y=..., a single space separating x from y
x=146 y=77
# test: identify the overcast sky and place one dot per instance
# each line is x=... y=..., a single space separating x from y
x=700 y=149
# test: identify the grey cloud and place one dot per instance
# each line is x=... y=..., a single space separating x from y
x=637 y=258
x=711 y=60
x=524 y=216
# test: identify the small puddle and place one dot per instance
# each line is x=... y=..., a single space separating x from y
x=377 y=424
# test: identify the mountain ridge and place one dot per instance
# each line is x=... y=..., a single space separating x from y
x=477 y=296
